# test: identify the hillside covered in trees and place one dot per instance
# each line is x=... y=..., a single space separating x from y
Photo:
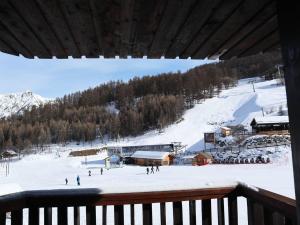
x=119 y=109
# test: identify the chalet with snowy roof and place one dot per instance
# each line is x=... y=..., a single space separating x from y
x=270 y=123
x=9 y=154
x=148 y=158
x=199 y=159
x=225 y=131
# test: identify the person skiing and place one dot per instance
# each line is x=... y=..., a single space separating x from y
x=101 y=170
x=147 y=170
x=152 y=169
x=157 y=168
x=78 y=180
x=90 y=173
x=66 y=180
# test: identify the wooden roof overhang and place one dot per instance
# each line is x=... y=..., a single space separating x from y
x=138 y=28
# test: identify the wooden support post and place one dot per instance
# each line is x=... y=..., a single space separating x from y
x=17 y=217
x=206 y=212
x=132 y=214
x=119 y=214
x=221 y=216
x=62 y=215
x=289 y=21
x=192 y=205
x=34 y=216
x=2 y=218
x=48 y=216
x=90 y=215
x=177 y=213
x=163 y=219
x=76 y=215
x=233 y=210
x=147 y=214
x=104 y=215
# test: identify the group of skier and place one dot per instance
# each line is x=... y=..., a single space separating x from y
x=152 y=169
x=78 y=178
x=148 y=171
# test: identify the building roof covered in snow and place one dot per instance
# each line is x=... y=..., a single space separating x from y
x=270 y=120
x=150 y=155
x=203 y=154
x=9 y=153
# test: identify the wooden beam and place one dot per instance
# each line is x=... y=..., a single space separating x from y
x=196 y=19
x=23 y=31
x=149 y=17
x=215 y=21
x=269 y=40
x=269 y=26
x=170 y=25
x=289 y=21
x=39 y=26
x=56 y=20
x=237 y=20
x=78 y=15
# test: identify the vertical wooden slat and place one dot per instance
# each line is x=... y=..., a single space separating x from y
x=90 y=215
x=48 y=216
x=289 y=221
x=104 y=215
x=268 y=216
x=250 y=212
x=2 y=218
x=206 y=212
x=233 y=210
x=62 y=215
x=77 y=215
x=17 y=217
x=278 y=219
x=163 y=219
x=119 y=214
x=132 y=213
x=177 y=213
x=221 y=217
x=192 y=209
x=147 y=214
x=34 y=216
x=258 y=214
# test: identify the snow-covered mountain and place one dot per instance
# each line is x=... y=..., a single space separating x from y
x=15 y=103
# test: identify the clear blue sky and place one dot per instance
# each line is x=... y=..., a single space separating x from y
x=54 y=78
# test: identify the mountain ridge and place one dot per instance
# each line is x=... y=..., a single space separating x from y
x=16 y=103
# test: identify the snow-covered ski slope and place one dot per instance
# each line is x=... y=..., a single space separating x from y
x=234 y=106
x=237 y=105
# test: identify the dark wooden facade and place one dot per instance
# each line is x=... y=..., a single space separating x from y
x=137 y=28
x=258 y=127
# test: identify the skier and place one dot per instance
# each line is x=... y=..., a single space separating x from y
x=89 y=173
x=66 y=181
x=78 y=180
x=147 y=170
x=101 y=170
x=157 y=168
x=152 y=169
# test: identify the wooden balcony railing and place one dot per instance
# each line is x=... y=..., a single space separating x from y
x=263 y=207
